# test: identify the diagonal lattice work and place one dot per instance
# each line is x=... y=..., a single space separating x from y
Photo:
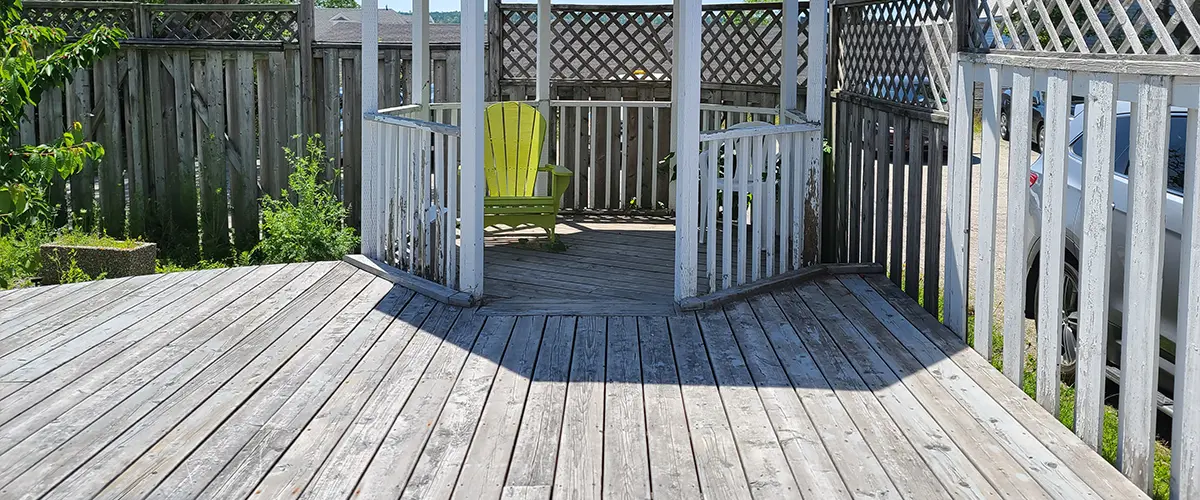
x=742 y=45
x=1150 y=27
x=171 y=21
x=259 y=24
x=897 y=51
x=79 y=20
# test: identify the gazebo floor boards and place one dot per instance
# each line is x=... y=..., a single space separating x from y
x=323 y=381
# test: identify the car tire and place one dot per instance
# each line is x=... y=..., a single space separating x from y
x=1004 y=124
x=1069 y=326
x=1040 y=138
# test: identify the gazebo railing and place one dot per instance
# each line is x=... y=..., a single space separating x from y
x=616 y=148
x=751 y=202
x=415 y=195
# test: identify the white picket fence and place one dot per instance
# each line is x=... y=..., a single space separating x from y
x=1152 y=89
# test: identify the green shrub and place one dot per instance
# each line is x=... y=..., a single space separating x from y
x=307 y=223
x=73 y=274
x=20 y=257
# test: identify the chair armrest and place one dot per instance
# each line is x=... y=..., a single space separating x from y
x=556 y=170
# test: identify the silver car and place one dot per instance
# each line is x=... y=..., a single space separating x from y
x=1073 y=220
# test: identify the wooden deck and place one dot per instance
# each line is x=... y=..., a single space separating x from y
x=322 y=381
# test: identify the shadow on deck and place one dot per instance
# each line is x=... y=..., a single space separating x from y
x=322 y=381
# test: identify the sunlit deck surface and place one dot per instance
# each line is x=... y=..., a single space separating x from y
x=323 y=381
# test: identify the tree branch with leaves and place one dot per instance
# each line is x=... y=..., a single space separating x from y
x=34 y=59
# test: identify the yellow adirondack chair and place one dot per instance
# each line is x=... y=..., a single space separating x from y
x=512 y=154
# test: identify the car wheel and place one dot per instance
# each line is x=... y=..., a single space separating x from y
x=1004 y=124
x=1069 y=326
x=1041 y=137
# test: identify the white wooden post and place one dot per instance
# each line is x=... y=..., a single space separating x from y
x=471 y=258
x=959 y=205
x=1185 y=450
x=814 y=111
x=372 y=223
x=419 y=79
x=543 y=83
x=789 y=62
x=686 y=117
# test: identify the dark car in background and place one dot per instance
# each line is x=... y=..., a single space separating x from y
x=1037 y=118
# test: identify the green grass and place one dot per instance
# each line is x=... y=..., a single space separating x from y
x=1066 y=414
x=84 y=239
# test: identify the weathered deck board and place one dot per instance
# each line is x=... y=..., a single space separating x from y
x=320 y=381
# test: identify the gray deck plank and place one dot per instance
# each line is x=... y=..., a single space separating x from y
x=913 y=449
x=1091 y=467
x=579 y=472
x=535 y=454
x=486 y=463
x=190 y=419
x=239 y=452
x=56 y=298
x=300 y=461
x=143 y=346
x=81 y=335
x=928 y=373
x=626 y=465
x=672 y=466
x=30 y=327
x=25 y=423
x=9 y=298
x=337 y=476
x=762 y=456
x=395 y=459
x=560 y=306
x=436 y=472
x=834 y=342
x=164 y=396
x=809 y=460
x=717 y=463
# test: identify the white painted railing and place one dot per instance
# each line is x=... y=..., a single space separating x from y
x=416 y=192
x=1119 y=226
x=751 y=203
x=616 y=148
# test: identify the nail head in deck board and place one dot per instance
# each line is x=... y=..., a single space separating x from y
x=184 y=392
x=436 y=472
x=393 y=462
x=264 y=423
x=869 y=373
x=536 y=450
x=580 y=455
x=256 y=380
x=673 y=469
x=709 y=427
x=1042 y=464
x=487 y=460
x=626 y=465
x=1072 y=452
x=353 y=453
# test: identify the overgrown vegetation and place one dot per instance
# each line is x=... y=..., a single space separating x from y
x=34 y=59
x=307 y=223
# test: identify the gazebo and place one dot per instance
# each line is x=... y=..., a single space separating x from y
x=423 y=164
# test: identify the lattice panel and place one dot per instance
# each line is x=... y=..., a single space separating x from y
x=741 y=46
x=1157 y=27
x=78 y=21
x=224 y=25
x=898 y=51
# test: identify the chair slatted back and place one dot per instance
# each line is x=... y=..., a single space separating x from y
x=512 y=151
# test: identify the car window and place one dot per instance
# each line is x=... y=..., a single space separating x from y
x=1121 y=166
x=1176 y=148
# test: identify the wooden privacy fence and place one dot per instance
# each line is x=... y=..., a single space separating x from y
x=888 y=64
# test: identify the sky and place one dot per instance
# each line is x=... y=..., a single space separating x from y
x=452 y=5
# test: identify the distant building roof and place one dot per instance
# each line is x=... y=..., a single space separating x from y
x=345 y=26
